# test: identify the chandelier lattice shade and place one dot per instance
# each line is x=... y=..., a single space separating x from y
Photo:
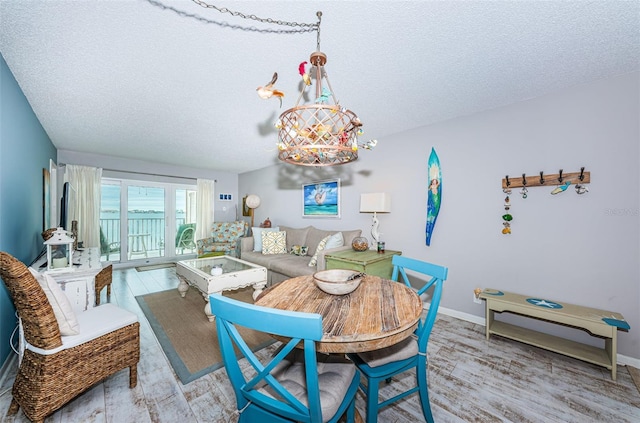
x=323 y=133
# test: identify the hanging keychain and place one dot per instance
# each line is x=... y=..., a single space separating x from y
x=507 y=218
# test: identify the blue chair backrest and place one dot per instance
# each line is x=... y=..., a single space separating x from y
x=438 y=274
x=300 y=327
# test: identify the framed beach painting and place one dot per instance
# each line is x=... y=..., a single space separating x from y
x=321 y=199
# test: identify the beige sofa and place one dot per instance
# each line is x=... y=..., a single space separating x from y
x=284 y=266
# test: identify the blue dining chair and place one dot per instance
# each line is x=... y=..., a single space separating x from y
x=295 y=385
x=410 y=353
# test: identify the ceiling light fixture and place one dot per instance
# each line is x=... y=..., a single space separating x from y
x=323 y=133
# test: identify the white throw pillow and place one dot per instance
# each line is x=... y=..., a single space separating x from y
x=335 y=240
x=274 y=242
x=67 y=320
x=257 y=237
x=330 y=241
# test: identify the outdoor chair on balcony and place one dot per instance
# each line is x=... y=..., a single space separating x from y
x=106 y=247
x=185 y=237
x=56 y=368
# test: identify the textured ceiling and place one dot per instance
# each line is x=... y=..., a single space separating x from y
x=172 y=82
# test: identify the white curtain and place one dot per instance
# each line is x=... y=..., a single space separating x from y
x=205 y=197
x=85 y=183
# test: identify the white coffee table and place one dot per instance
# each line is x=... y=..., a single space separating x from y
x=236 y=274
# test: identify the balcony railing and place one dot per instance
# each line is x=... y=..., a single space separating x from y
x=146 y=236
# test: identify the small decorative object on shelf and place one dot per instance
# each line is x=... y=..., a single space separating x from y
x=381 y=245
x=59 y=251
x=266 y=223
x=360 y=243
x=74 y=234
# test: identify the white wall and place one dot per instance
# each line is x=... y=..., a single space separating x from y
x=578 y=249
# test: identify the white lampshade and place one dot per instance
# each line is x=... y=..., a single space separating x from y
x=379 y=202
x=253 y=201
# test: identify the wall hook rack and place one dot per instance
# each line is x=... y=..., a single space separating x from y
x=581 y=177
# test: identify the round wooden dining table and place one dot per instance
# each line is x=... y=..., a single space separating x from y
x=379 y=313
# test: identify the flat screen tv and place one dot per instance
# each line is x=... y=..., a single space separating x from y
x=64 y=206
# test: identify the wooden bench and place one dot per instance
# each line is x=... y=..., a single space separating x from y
x=599 y=323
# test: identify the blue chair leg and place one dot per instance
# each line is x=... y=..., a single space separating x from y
x=351 y=411
x=372 y=399
x=423 y=389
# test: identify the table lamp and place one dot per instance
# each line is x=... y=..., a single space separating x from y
x=379 y=202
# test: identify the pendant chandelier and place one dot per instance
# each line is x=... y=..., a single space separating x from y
x=322 y=133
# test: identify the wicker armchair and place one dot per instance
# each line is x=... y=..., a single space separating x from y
x=103 y=278
x=55 y=369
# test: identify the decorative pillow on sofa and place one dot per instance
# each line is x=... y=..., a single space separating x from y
x=67 y=320
x=274 y=242
x=299 y=250
x=331 y=241
x=257 y=236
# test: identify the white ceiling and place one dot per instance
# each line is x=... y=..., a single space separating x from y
x=172 y=82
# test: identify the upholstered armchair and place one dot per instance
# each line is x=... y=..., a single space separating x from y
x=225 y=237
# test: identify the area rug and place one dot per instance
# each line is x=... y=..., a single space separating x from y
x=154 y=267
x=185 y=334
x=635 y=376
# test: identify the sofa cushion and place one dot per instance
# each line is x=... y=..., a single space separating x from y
x=292 y=266
x=274 y=242
x=349 y=236
x=295 y=236
x=314 y=237
x=257 y=237
x=330 y=241
x=260 y=259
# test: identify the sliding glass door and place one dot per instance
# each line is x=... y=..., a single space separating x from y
x=143 y=222
x=146 y=232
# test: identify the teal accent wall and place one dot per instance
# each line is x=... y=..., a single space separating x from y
x=25 y=150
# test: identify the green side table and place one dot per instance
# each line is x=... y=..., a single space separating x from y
x=369 y=261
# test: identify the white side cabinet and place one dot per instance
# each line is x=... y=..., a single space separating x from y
x=79 y=283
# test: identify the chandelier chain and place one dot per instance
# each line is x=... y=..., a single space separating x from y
x=308 y=27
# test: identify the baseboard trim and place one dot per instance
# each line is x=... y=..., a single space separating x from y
x=623 y=360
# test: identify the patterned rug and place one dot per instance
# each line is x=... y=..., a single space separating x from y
x=187 y=337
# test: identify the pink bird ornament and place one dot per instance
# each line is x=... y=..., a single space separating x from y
x=269 y=91
x=305 y=76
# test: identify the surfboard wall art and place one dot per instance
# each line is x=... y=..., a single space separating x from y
x=434 y=193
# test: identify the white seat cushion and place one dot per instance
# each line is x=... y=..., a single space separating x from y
x=402 y=350
x=93 y=323
x=335 y=374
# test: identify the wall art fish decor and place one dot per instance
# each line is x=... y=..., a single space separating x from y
x=434 y=193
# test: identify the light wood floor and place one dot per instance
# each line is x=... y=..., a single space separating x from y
x=470 y=380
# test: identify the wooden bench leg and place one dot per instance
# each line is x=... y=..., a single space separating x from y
x=488 y=319
x=611 y=346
